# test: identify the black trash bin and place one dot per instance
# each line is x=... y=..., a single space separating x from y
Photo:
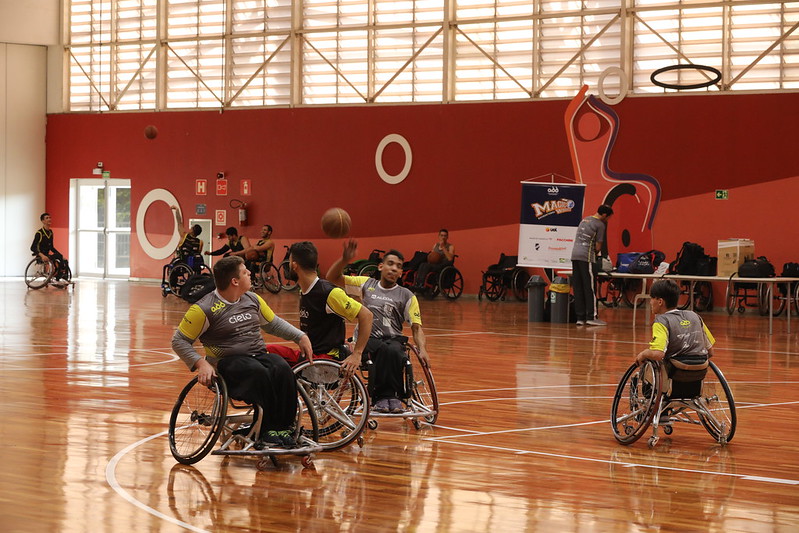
x=535 y=299
x=559 y=294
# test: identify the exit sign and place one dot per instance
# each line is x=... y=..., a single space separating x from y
x=722 y=194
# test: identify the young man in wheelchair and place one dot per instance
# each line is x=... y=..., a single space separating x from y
x=228 y=322
x=323 y=310
x=392 y=305
x=190 y=247
x=679 y=337
x=43 y=248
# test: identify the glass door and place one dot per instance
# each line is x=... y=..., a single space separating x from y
x=102 y=211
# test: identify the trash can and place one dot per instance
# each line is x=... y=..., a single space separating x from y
x=559 y=293
x=535 y=299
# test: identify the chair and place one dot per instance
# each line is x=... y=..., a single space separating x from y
x=365 y=267
x=447 y=281
x=663 y=394
x=203 y=415
x=502 y=276
x=175 y=273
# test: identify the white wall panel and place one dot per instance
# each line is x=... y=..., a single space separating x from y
x=30 y=21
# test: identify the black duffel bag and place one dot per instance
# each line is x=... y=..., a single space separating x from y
x=790 y=270
x=756 y=268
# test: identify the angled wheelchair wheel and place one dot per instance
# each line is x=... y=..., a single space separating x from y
x=519 y=283
x=197 y=420
x=286 y=283
x=492 y=287
x=424 y=397
x=38 y=273
x=306 y=428
x=178 y=276
x=341 y=405
x=407 y=278
x=635 y=402
x=716 y=407
x=450 y=282
x=368 y=270
x=270 y=277
x=731 y=298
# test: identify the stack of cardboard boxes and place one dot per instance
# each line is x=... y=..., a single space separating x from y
x=732 y=254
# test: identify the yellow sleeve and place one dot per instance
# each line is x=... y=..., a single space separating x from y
x=193 y=323
x=415 y=316
x=353 y=284
x=343 y=305
x=266 y=311
x=660 y=337
x=710 y=340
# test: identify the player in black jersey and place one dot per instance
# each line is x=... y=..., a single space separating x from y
x=43 y=248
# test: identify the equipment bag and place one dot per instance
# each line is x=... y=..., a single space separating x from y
x=623 y=261
x=756 y=268
x=642 y=264
x=197 y=286
x=688 y=260
x=790 y=270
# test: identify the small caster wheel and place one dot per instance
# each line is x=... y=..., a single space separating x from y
x=164 y=291
x=667 y=429
x=723 y=440
x=653 y=440
x=741 y=309
x=262 y=463
x=372 y=424
x=307 y=461
x=359 y=440
x=416 y=423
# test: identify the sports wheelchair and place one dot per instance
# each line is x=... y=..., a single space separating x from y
x=742 y=294
x=265 y=275
x=178 y=271
x=365 y=267
x=504 y=275
x=39 y=273
x=203 y=415
x=286 y=283
x=447 y=281
x=662 y=394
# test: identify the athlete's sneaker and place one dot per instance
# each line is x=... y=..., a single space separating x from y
x=395 y=405
x=382 y=406
x=596 y=322
x=286 y=437
x=581 y=322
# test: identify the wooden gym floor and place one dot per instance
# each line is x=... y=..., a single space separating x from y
x=523 y=442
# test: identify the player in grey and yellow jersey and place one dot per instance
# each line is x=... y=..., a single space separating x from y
x=392 y=306
x=228 y=322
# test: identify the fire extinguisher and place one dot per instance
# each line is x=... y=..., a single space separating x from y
x=242 y=208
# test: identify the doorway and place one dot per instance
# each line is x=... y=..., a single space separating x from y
x=100 y=227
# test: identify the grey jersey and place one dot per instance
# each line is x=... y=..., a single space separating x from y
x=590 y=231
x=391 y=307
x=678 y=333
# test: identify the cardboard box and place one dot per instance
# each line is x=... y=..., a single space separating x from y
x=732 y=254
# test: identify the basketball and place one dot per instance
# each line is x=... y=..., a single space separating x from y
x=151 y=132
x=434 y=257
x=252 y=255
x=336 y=223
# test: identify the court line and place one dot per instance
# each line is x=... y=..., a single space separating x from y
x=111 y=479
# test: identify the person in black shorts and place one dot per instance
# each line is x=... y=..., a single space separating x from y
x=43 y=248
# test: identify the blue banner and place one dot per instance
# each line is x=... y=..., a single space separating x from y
x=550 y=214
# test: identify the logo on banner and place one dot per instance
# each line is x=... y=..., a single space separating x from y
x=552 y=191
x=549 y=230
x=553 y=207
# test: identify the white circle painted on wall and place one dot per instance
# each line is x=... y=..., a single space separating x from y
x=385 y=176
x=623 y=86
x=150 y=198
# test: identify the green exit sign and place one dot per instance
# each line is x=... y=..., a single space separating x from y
x=722 y=194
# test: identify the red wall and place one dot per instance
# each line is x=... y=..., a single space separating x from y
x=468 y=160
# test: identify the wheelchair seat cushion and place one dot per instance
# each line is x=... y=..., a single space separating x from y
x=687 y=368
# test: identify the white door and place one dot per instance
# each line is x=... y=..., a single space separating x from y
x=101 y=227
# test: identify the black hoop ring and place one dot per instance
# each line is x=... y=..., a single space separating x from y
x=677 y=86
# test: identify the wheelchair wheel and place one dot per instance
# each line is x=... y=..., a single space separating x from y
x=492 y=287
x=631 y=288
x=731 y=298
x=765 y=293
x=717 y=411
x=407 y=278
x=197 y=420
x=178 y=276
x=306 y=428
x=66 y=273
x=519 y=284
x=286 y=283
x=270 y=277
x=341 y=405
x=702 y=296
x=368 y=270
x=38 y=273
x=450 y=282
x=422 y=386
x=635 y=401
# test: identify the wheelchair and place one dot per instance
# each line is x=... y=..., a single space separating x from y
x=365 y=267
x=447 y=281
x=409 y=268
x=39 y=273
x=265 y=275
x=203 y=415
x=178 y=271
x=743 y=294
x=503 y=276
x=286 y=283
x=341 y=405
x=695 y=392
x=420 y=399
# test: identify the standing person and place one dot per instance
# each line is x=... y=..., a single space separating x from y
x=235 y=243
x=392 y=305
x=43 y=248
x=190 y=244
x=587 y=248
x=228 y=322
x=442 y=254
x=323 y=309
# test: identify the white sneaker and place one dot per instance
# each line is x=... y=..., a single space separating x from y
x=581 y=322
x=596 y=322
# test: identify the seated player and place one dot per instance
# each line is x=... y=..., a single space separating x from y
x=228 y=321
x=442 y=254
x=235 y=243
x=323 y=310
x=262 y=251
x=190 y=245
x=43 y=248
x=679 y=335
x=391 y=305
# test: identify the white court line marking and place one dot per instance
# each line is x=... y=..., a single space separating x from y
x=107 y=365
x=521 y=430
x=601 y=385
x=510 y=398
x=110 y=477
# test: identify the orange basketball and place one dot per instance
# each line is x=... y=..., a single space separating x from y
x=252 y=255
x=434 y=257
x=151 y=132
x=336 y=222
